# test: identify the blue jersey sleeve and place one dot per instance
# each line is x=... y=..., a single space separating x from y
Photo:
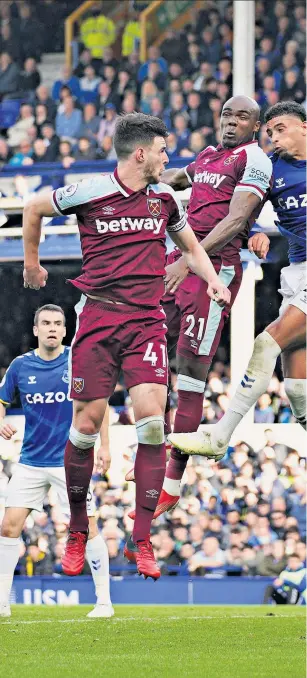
x=9 y=383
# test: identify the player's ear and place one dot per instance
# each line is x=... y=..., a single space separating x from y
x=35 y=330
x=257 y=126
x=305 y=126
x=140 y=154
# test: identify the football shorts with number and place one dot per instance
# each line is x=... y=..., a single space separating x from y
x=110 y=338
x=197 y=319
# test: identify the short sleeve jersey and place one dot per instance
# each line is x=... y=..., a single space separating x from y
x=43 y=387
x=289 y=199
x=122 y=235
x=218 y=173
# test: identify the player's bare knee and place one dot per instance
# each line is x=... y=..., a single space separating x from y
x=150 y=430
x=10 y=528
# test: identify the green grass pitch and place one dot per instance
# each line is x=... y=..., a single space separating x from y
x=154 y=642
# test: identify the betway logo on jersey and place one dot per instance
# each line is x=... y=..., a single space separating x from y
x=129 y=224
x=209 y=178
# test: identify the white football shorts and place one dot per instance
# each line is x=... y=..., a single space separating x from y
x=29 y=486
x=293 y=286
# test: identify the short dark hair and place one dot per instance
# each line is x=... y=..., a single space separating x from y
x=285 y=108
x=48 y=307
x=136 y=128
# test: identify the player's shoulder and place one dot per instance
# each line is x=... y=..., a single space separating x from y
x=161 y=189
x=88 y=189
x=207 y=151
x=21 y=361
x=253 y=154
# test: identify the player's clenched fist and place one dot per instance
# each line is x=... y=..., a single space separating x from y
x=259 y=244
x=219 y=293
x=103 y=460
x=34 y=277
x=7 y=430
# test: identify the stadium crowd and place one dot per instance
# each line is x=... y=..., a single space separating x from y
x=245 y=515
x=185 y=81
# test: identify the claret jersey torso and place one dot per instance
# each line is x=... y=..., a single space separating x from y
x=122 y=236
x=216 y=174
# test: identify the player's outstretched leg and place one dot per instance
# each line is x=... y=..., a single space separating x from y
x=98 y=558
x=287 y=331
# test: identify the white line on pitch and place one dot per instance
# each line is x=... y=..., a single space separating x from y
x=149 y=619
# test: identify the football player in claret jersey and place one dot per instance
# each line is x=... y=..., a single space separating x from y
x=41 y=379
x=286 y=126
x=229 y=184
x=123 y=218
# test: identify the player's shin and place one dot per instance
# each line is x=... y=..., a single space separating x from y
x=98 y=559
x=149 y=473
x=9 y=555
x=254 y=383
x=79 y=461
x=188 y=418
x=296 y=392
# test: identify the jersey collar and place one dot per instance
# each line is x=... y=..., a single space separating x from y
x=236 y=148
x=124 y=190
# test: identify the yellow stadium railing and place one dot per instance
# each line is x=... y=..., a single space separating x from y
x=69 y=27
x=145 y=21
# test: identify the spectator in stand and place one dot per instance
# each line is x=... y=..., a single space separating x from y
x=9 y=44
x=177 y=105
x=69 y=80
x=153 y=55
x=107 y=125
x=9 y=75
x=197 y=119
x=204 y=74
x=124 y=83
x=197 y=142
x=42 y=96
x=18 y=131
x=85 y=150
x=292 y=87
x=31 y=33
x=108 y=59
x=29 y=78
x=68 y=123
x=97 y=32
x=172 y=145
x=110 y=76
x=129 y=104
x=171 y=47
x=263 y=411
x=156 y=76
x=85 y=59
x=65 y=156
x=106 y=96
x=148 y=92
x=90 y=81
x=192 y=66
x=23 y=156
x=51 y=141
x=90 y=125
x=224 y=73
x=106 y=150
x=181 y=130
x=209 y=557
x=41 y=117
x=131 y=34
x=65 y=93
x=157 y=109
x=132 y=64
x=210 y=47
x=39 y=151
x=5 y=152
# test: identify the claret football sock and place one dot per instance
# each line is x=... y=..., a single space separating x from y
x=149 y=474
x=78 y=468
x=98 y=559
x=9 y=555
x=188 y=418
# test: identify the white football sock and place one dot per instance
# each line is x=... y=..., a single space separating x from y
x=172 y=486
x=296 y=392
x=98 y=557
x=9 y=555
x=254 y=383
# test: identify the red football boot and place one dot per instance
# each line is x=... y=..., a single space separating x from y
x=142 y=554
x=74 y=555
x=167 y=502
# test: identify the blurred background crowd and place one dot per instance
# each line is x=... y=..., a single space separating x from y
x=185 y=81
x=245 y=515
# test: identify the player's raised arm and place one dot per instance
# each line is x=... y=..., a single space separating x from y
x=198 y=261
x=177 y=178
x=34 y=275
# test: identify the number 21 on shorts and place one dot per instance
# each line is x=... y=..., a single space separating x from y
x=152 y=357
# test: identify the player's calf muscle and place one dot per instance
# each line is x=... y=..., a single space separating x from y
x=290 y=329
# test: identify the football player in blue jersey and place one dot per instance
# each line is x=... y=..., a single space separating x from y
x=286 y=127
x=41 y=377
